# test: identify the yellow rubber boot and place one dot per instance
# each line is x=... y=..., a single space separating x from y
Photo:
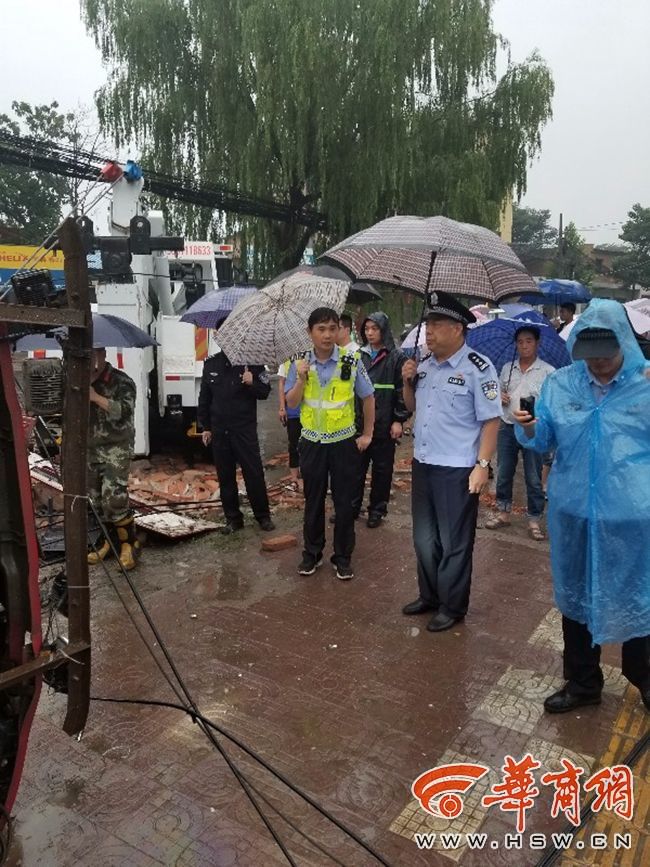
x=100 y=554
x=129 y=545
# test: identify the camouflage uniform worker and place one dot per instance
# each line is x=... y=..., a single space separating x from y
x=111 y=436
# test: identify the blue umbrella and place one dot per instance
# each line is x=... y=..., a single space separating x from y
x=515 y=309
x=496 y=339
x=559 y=292
x=108 y=331
x=211 y=310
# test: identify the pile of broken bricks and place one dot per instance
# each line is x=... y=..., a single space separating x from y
x=164 y=481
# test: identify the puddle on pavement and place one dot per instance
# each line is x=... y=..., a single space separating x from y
x=232 y=583
x=70 y=795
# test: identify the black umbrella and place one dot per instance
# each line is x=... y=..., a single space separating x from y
x=358 y=293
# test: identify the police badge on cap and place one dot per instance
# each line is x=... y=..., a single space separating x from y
x=445 y=306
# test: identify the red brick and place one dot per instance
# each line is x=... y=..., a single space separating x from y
x=279 y=543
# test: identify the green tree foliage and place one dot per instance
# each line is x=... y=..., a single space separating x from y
x=634 y=266
x=359 y=109
x=30 y=201
x=531 y=226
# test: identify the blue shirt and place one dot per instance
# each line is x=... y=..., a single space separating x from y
x=363 y=387
x=599 y=389
x=453 y=399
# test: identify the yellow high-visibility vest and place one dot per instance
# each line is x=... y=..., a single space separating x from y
x=327 y=412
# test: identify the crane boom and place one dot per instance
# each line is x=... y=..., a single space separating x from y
x=66 y=161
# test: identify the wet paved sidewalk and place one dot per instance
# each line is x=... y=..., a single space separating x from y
x=334 y=687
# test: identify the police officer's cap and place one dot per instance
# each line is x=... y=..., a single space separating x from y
x=595 y=343
x=444 y=306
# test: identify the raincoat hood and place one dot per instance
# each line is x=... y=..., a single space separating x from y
x=381 y=321
x=611 y=315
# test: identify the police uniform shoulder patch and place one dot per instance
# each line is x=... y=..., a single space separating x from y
x=490 y=389
x=264 y=377
x=478 y=361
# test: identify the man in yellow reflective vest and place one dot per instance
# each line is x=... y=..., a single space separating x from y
x=324 y=385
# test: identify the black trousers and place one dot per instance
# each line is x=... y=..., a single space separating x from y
x=293 y=437
x=444 y=528
x=240 y=446
x=582 y=660
x=381 y=453
x=334 y=464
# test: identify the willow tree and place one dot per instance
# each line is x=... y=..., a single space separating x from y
x=358 y=108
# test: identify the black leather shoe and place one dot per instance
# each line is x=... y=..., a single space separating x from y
x=563 y=701
x=419 y=606
x=373 y=521
x=231 y=527
x=266 y=524
x=439 y=622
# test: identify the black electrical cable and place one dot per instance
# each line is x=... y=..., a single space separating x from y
x=252 y=754
x=240 y=778
x=586 y=813
x=192 y=710
x=154 y=703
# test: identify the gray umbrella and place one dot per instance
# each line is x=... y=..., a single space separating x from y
x=427 y=254
x=358 y=293
x=108 y=331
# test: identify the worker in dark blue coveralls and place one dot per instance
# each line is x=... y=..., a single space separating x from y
x=227 y=414
x=454 y=392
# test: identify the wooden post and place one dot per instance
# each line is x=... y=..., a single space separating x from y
x=75 y=490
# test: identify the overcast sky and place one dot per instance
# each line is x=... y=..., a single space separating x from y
x=594 y=160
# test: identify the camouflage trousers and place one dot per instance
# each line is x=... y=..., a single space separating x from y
x=108 y=476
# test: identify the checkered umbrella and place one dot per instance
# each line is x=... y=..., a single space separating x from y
x=427 y=254
x=216 y=306
x=358 y=293
x=271 y=325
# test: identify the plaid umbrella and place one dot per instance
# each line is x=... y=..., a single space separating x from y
x=216 y=306
x=496 y=339
x=426 y=254
x=271 y=325
x=358 y=293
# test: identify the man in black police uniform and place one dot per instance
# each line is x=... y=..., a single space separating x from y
x=454 y=392
x=227 y=413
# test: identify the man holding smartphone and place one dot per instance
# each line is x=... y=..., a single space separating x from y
x=521 y=382
x=595 y=413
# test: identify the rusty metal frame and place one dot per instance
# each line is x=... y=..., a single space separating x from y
x=78 y=320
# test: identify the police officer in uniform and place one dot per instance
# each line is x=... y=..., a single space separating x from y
x=227 y=413
x=324 y=385
x=454 y=392
x=111 y=438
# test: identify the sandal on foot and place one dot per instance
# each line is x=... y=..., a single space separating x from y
x=535 y=532
x=496 y=523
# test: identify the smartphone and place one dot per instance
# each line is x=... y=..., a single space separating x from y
x=527 y=404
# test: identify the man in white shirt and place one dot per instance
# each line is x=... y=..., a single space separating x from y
x=522 y=378
x=344 y=338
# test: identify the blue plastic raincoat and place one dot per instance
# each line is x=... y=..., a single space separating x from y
x=599 y=487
